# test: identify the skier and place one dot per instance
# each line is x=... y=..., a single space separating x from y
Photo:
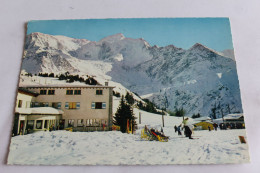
x=187 y=129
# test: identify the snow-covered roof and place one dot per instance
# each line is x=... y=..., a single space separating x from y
x=39 y=110
x=64 y=86
x=233 y=116
x=27 y=92
x=228 y=117
x=202 y=119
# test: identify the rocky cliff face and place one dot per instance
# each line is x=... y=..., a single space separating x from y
x=198 y=79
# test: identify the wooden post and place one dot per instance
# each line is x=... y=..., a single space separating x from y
x=162 y=119
x=140 y=118
x=131 y=126
x=127 y=126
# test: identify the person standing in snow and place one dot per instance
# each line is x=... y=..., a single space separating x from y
x=187 y=129
x=215 y=126
x=179 y=130
x=175 y=128
x=50 y=128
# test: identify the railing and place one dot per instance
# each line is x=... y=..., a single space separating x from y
x=89 y=129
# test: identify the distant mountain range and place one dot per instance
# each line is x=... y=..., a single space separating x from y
x=198 y=79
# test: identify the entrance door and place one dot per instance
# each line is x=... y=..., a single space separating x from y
x=21 y=127
x=46 y=124
x=29 y=127
x=15 y=127
x=61 y=124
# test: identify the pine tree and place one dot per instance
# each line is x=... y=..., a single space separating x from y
x=62 y=77
x=124 y=113
x=179 y=112
x=129 y=98
x=140 y=105
x=51 y=75
x=196 y=115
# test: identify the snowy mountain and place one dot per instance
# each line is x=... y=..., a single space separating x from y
x=198 y=79
x=229 y=53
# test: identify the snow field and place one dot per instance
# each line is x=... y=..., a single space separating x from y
x=116 y=148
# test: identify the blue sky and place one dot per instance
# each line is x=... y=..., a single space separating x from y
x=214 y=33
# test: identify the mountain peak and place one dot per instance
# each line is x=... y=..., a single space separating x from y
x=198 y=46
x=37 y=34
x=201 y=47
x=113 y=38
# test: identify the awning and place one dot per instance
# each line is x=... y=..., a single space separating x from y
x=39 y=110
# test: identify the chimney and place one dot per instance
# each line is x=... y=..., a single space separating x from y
x=106 y=83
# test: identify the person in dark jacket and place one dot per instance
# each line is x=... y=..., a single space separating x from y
x=175 y=128
x=179 y=130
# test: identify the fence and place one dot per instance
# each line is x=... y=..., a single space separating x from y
x=89 y=129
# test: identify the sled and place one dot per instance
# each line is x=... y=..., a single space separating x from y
x=146 y=135
x=152 y=136
x=160 y=137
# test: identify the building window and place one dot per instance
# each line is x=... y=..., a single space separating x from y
x=71 y=123
x=77 y=92
x=96 y=122
x=39 y=124
x=80 y=123
x=56 y=105
x=43 y=92
x=69 y=92
x=43 y=104
x=51 y=92
x=46 y=124
x=35 y=104
x=90 y=122
x=72 y=105
x=93 y=122
x=98 y=105
x=99 y=92
x=87 y=122
x=30 y=124
x=103 y=122
x=20 y=102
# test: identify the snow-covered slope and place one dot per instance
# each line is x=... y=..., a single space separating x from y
x=198 y=79
x=229 y=53
x=116 y=148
